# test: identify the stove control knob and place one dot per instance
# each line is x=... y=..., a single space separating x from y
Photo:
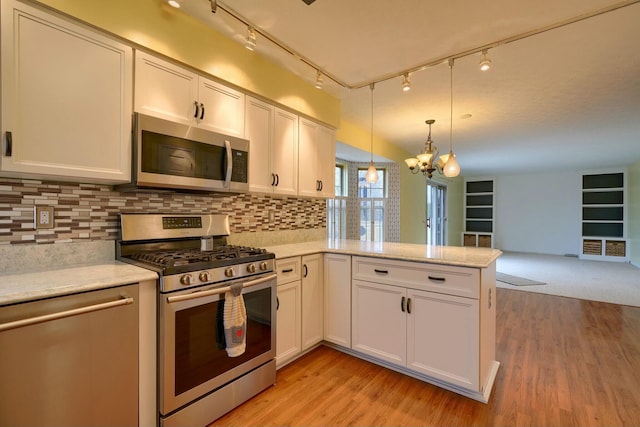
x=251 y=268
x=186 y=280
x=204 y=276
x=228 y=272
x=263 y=266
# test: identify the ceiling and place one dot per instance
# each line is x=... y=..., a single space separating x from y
x=566 y=97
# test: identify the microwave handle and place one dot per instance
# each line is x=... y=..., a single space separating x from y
x=227 y=178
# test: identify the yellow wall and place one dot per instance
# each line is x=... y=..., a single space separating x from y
x=155 y=25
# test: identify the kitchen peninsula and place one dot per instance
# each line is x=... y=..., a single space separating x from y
x=426 y=311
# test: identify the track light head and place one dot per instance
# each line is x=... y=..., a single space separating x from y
x=485 y=62
x=174 y=3
x=406 y=83
x=214 y=6
x=319 y=80
x=251 y=39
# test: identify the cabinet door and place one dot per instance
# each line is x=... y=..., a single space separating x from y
x=443 y=337
x=337 y=299
x=165 y=90
x=326 y=161
x=258 y=130
x=288 y=322
x=66 y=98
x=222 y=108
x=307 y=155
x=379 y=322
x=312 y=300
x=285 y=152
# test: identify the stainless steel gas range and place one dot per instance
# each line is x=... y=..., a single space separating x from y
x=197 y=379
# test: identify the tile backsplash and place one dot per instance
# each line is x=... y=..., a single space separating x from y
x=88 y=212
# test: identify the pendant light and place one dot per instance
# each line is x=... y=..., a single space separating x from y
x=372 y=173
x=451 y=167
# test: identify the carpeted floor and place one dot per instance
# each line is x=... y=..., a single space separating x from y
x=614 y=282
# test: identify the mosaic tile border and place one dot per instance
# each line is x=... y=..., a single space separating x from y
x=85 y=212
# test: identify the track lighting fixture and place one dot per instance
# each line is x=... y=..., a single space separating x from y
x=406 y=83
x=319 y=80
x=251 y=39
x=174 y=3
x=214 y=6
x=485 y=62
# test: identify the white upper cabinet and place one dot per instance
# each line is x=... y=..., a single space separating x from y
x=316 y=157
x=166 y=90
x=66 y=99
x=273 y=156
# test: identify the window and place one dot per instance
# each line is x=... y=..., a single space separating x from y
x=372 y=199
x=337 y=207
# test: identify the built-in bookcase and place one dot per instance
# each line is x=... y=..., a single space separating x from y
x=604 y=216
x=479 y=213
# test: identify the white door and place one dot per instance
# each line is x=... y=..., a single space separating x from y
x=222 y=108
x=285 y=152
x=165 y=90
x=326 y=161
x=379 y=321
x=288 y=322
x=443 y=337
x=435 y=218
x=66 y=98
x=337 y=299
x=259 y=131
x=312 y=300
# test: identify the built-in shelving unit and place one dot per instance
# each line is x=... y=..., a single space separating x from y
x=603 y=217
x=479 y=213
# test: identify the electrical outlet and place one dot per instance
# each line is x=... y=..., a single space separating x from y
x=43 y=217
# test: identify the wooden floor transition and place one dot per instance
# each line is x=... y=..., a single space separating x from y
x=564 y=362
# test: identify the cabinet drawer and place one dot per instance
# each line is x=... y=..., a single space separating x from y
x=445 y=279
x=288 y=270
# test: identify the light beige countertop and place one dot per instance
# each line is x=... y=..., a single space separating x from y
x=449 y=255
x=28 y=286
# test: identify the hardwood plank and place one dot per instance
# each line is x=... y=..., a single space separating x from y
x=564 y=362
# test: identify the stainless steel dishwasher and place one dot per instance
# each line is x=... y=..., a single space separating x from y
x=71 y=361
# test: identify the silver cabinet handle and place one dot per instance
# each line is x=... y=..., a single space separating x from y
x=217 y=291
x=63 y=314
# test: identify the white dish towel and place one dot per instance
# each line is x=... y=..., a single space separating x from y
x=235 y=321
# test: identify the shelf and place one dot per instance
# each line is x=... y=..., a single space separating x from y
x=603 y=217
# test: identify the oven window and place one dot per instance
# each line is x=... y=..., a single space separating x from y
x=200 y=353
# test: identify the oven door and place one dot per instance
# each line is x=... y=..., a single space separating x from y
x=193 y=360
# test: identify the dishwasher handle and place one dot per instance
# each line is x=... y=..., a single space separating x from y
x=62 y=314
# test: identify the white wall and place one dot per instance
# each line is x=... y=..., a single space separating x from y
x=538 y=213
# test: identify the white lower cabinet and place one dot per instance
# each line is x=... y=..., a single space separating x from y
x=420 y=323
x=312 y=301
x=337 y=299
x=443 y=337
x=289 y=302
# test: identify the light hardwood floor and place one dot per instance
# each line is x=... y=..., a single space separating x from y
x=564 y=362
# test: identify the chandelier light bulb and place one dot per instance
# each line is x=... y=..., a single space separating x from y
x=372 y=174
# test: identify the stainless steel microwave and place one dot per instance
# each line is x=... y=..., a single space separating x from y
x=169 y=155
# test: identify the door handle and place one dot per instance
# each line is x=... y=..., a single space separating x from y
x=277 y=303
x=63 y=314
x=195 y=114
x=201 y=111
x=304 y=267
x=409 y=305
x=402 y=304
x=9 y=147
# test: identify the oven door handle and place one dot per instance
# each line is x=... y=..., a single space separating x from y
x=217 y=291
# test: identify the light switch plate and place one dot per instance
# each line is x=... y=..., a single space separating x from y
x=43 y=217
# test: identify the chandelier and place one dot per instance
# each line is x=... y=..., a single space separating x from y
x=427 y=161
